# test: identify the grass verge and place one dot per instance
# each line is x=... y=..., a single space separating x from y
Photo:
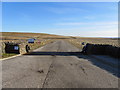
x=5 y=55
x=32 y=46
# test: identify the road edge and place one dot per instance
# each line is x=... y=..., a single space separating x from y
x=17 y=55
x=11 y=57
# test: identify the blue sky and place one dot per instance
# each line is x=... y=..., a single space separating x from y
x=86 y=19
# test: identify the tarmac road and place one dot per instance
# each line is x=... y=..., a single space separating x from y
x=56 y=65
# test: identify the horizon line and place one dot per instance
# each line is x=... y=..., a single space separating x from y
x=65 y=35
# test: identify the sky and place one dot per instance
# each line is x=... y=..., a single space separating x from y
x=85 y=19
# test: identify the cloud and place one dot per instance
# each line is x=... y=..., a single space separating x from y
x=87 y=33
x=65 y=10
x=86 y=23
x=95 y=29
x=102 y=33
x=70 y=23
x=90 y=17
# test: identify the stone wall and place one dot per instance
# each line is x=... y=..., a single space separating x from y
x=2 y=47
x=23 y=48
x=9 y=48
x=99 y=49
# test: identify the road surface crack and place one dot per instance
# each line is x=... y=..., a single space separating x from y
x=83 y=70
x=51 y=66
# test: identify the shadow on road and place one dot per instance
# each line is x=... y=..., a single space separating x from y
x=99 y=64
x=55 y=53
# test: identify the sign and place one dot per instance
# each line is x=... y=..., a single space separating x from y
x=16 y=48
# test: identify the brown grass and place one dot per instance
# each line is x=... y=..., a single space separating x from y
x=46 y=38
x=78 y=42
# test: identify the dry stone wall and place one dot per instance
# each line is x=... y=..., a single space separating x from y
x=23 y=48
x=2 y=47
x=99 y=49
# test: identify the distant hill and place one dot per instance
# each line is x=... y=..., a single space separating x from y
x=21 y=35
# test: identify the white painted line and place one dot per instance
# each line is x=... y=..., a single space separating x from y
x=10 y=57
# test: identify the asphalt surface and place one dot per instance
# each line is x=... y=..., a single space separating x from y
x=56 y=65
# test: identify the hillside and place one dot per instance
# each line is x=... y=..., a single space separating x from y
x=8 y=36
x=17 y=37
